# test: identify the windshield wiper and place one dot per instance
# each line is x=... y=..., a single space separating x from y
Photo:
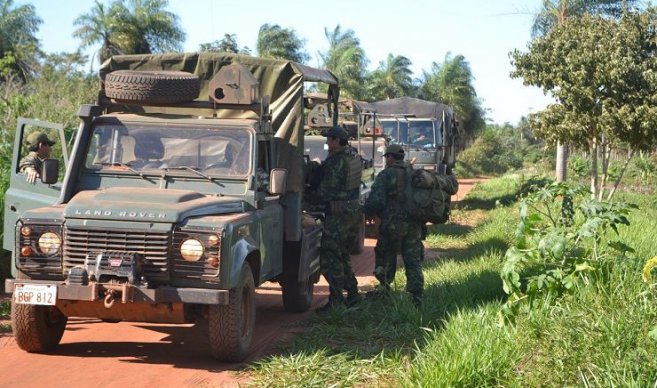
x=127 y=166
x=195 y=170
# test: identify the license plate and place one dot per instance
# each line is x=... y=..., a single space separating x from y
x=41 y=294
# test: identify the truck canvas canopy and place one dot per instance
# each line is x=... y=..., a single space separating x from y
x=281 y=80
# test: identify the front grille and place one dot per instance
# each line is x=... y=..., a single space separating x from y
x=153 y=246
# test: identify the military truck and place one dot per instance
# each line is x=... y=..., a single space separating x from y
x=427 y=130
x=183 y=193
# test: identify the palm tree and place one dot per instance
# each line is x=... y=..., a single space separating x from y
x=452 y=83
x=283 y=43
x=392 y=79
x=556 y=13
x=142 y=28
x=19 y=47
x=347 y=60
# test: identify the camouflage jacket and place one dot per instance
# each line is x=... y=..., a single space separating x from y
x=387 y=197
x=30 y=160
x=332 y=186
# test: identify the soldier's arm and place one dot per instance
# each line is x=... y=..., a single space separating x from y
x=376 y=201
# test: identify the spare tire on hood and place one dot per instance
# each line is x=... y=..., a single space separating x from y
x=158 y=87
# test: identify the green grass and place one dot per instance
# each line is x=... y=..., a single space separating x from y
x=5 y=311
x=604 y=334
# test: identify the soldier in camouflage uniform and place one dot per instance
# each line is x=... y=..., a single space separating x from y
x=39 y=146
x=338 y=190
x=397 y=233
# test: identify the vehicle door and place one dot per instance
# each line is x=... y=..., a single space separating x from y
x=21 y=195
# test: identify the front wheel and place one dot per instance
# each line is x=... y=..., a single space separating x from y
x=231 y=326
x=298 y=295
x=37 y=329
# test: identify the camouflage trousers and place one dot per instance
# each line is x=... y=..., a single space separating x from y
x=396 y=237
x=339 y=236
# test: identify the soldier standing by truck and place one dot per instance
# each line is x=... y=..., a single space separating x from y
x=397 y=232
x=338 y=191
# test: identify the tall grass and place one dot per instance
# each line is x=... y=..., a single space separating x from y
x=604 y=334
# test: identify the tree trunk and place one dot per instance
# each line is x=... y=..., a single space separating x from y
x=620 y=175
x=594 y=169
x=562 y=162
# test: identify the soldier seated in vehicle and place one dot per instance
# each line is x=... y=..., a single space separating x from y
x=149 y=152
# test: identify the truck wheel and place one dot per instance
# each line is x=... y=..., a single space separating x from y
x=359 y=244
x=37 y=329
x=152 y=86
x=231 y=326
x=297 y=295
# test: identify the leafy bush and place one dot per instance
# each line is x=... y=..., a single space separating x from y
x=562 y=240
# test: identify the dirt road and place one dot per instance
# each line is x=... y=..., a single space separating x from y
x=93 y=353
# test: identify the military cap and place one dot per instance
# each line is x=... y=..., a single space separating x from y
x=338 y=132
x=394 y=149
x=35 y=138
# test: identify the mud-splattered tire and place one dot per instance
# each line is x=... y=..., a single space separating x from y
x=37 y=329
x=231 y=326
x=298 y=295
x=152 y=86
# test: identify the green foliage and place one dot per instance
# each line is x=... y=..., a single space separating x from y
x=452 y=83
x=496 y=151
x=563 y=240
x=347 y=60
x=226 y=44
x=604 y=92
x=140 y=27
x=19 y=47
x=276 y=42
x=392 y=79
x=579 y=166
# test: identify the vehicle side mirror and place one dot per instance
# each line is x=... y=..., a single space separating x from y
x=278 y=181
x=50 y=171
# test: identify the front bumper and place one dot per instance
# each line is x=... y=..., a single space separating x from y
x=128 y=293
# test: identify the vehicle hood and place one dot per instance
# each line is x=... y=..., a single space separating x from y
x=142 y=204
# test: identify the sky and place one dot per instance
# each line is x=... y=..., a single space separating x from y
x=425 y=31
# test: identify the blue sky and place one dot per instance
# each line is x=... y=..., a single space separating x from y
x=484 y=31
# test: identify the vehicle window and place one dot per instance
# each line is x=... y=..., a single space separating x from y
x=421 y=134
x=223 y=152
x=396 y=130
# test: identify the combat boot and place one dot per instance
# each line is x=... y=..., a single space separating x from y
x=334 y=301
x=417 y=300
x=382 y=290
x=353 y=298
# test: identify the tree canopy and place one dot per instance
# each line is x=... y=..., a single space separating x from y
x=393 y=78
x=283 y=43
x=602 y=74
x=141 y=27
x=19 y=46
x=347 y=60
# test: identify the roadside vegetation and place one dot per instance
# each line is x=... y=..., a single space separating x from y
x=601 y=331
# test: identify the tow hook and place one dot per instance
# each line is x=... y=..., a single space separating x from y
x=109 y=299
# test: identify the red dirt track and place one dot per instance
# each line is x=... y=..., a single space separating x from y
x=98 y=354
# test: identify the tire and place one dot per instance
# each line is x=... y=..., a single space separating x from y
x=37 y=329
x=152 y=86
x=231 y=326
x=359 y=244
x=298 y=295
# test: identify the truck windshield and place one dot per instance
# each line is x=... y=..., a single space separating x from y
x=148 y=149
x=413 y=132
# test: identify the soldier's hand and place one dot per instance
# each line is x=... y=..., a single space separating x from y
x=31 y=175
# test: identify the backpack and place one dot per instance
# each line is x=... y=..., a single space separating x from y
x=429 y=195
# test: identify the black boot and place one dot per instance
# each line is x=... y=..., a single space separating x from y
x=417 y=300
x=353 y=297
x=334 y=301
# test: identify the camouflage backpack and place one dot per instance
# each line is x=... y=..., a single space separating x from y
x=428 y=195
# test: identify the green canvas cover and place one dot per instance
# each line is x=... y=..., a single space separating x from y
x=281 y=80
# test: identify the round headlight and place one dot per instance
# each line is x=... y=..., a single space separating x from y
x=49 y=243
x=191 y=249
